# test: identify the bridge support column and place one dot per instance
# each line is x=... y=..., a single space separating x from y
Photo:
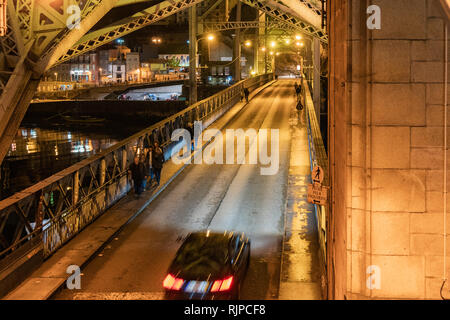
x=237 y=46
x=261 y=42
x=20 y=90
x=389 y=230
x=316 y=76
x=192 y=54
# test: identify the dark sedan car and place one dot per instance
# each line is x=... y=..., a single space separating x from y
x=208 y=265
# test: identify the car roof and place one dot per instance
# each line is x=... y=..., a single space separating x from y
x=203 y=253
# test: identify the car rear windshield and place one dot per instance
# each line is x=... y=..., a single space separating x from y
x=200 y=254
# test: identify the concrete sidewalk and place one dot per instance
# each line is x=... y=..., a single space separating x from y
x=52 y=275
x=300 y=269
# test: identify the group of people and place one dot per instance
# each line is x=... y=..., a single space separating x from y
x=146 y=167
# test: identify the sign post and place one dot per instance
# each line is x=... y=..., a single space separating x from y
x=317 y=194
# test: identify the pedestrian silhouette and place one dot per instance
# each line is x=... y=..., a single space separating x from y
x=317 y=177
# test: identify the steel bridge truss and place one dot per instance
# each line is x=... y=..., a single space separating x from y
x=125 y=26
x=230 y=25
x=97 y=38
x=272 y=9
x=37 y=30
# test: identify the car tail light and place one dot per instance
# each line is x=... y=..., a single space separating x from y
x=222 y=285
x=226 y=284
x=178 y=283
x=172 y=283
x=216 y=286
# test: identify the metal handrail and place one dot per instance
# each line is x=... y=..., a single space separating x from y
x=72 y=198
x=318 y=156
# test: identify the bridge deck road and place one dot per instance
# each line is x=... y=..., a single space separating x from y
x=218 y=197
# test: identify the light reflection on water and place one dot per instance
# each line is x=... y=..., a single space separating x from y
x=37 y=153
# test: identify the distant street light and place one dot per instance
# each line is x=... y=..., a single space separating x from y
x=210 y=37
x=248 y=43
x=263 y=49
x=156 y=40
x=56 y=76
x=273 y=44
x=298 y=37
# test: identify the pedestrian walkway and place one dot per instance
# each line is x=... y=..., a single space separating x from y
x=300 y=274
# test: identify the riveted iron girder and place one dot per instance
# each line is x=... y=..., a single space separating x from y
x=230 y=25
x=37 y=30
x=125 y=26
x=275 y=10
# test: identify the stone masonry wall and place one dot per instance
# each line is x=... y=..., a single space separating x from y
x=395 y=163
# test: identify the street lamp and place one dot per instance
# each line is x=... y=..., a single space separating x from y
x=99 y=75
x=210 y=37
x=301 y=44
x=248 y=43
x=156 y=40
x=56 y=76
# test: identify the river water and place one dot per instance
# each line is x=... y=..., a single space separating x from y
x=36 y=152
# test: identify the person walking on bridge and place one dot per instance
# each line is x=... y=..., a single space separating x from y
x=298 y=90
x=157 y=162
x=137 y=173
x=246 y=94
x=148 y=166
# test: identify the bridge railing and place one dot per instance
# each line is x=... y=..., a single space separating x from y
x=54 y=210
x=318 y=157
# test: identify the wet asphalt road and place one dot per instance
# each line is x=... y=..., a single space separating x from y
x=218 y=197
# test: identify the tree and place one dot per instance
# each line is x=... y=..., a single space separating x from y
x=173 y=62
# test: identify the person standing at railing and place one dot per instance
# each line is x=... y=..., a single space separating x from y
x=137 y=173
x=148 y=166
x=157 y=162
x=246 y=94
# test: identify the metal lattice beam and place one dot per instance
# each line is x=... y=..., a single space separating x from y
x=314 y=5
x=303 y=10
x=272 y=9
x=125 y=26
x=230 y=25
x=121 y=3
